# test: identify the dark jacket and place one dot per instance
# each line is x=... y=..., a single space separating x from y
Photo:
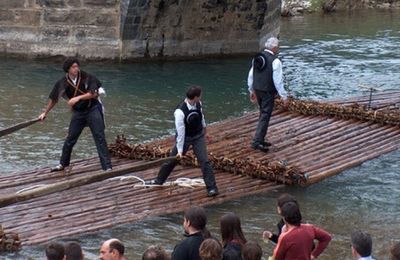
x=232 y=251
x=275 y=237
x=188 y=248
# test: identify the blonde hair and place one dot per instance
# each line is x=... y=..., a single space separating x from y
x=210 y=249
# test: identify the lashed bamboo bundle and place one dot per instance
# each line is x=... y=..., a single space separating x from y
x=268 y=170
x=388 y=115
x=9 y=242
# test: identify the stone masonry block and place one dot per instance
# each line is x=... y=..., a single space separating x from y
x=100 y=3
x=27 y=17
x=74 y=3
x=6 y=17
x=12 y=3
x=51 y=3
x=80 y=17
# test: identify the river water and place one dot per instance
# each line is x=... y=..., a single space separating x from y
x=324 y=56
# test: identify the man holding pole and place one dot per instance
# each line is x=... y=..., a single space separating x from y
x=190 y=131
x=81 y=90
x=265 y=80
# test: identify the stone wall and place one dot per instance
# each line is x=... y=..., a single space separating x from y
x=201 y=27
x=131 y=29
x=88 y=28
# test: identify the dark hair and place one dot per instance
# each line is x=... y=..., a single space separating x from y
x=73 y=251
x=117 y=245
x=69 y=62
x=291 y=213
x=231 y=229
x=55 y=251
x=155 y=253
x=198 y=220
x=252 y=251
x=395 y=251
x=193 y=91
x=210 y=249
x=285 y=197
x=361 y=242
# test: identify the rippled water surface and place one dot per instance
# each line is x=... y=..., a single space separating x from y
x=323 y=56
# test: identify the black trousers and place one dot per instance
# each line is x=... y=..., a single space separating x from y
x=94 y=119
x=200 y=150
x=266 y=103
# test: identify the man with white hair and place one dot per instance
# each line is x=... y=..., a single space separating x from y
x=265 y=80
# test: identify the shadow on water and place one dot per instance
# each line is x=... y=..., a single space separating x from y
x=324 y=57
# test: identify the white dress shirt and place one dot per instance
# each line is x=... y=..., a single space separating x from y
x=366 y=258
x=277 y=76
x=180 y=125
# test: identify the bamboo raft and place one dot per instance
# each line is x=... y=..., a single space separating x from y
x=311 y=142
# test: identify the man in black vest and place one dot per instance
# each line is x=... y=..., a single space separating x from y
x=190 y=131
x=81 y=91
x=265 y=80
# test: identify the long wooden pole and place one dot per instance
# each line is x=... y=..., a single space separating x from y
x=17 y=127
x=83 y=180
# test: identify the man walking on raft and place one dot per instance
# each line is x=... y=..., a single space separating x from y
x=81 y=91
x=190 y=131
x=265 y=80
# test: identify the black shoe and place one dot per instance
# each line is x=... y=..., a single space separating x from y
x=266 y=143
x=57 y=168
x=153 y=182
x=212 y=192
x=260 y=147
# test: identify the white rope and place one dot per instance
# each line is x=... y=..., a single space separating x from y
x=31 y=188
x=181 y=182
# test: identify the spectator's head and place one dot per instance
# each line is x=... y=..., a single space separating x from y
x=155 y=253
x=193 y=92
x=252 y=251
x=231 y=229
x=210 y=249
x=395 y=252
x=71 y=65
x=195 y=220
x=112 y=249
x=55 y=251
x=361 y=244
x=272 y=44
x=291 y=213
x=285 y=197
x=73 y=251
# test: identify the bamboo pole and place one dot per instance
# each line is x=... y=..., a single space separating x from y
x=51 y=188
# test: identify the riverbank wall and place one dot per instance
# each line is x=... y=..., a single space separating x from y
x=135 y=29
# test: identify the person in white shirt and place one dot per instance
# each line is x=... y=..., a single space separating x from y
x=361 y=245
x=265 y=80
x=190 y=131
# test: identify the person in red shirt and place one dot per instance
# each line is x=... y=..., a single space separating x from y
x=297 y=240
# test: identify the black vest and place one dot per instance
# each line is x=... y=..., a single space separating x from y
x=193 y=119
x=262 y=72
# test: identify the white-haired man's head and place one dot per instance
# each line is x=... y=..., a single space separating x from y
x=272 y=44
